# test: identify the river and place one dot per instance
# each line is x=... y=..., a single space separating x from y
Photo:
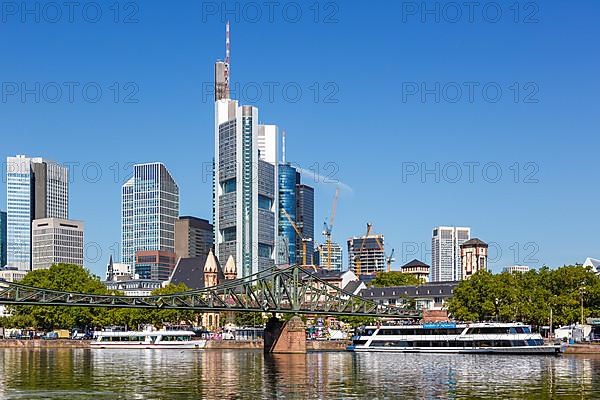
x=76 y=374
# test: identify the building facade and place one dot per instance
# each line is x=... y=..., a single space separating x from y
x=511 y=269
x=56 y=241
x=134 y=287
x=118 y=271
x=154 y=264
x=445 y=253
x=305 y=220
x=36 y=189
x=150 y=207
x=287 y=204
x=245 y=187
x=2 y=239
x=322 y=253
x=366 y=253
x=194 y=237
x=473 y=255
x=429 y=296
x=417 y=268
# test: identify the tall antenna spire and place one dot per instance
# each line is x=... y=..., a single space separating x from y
x=283 y=147
x=227 y=58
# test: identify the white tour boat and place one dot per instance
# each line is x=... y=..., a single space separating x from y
x=147 y=339
x=450 y=337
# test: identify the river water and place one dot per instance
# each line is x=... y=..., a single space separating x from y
x=75 y=374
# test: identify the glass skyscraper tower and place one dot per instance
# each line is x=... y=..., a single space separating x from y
x=150 y=207
x=36 y=189
x=445 y=252
x=288 y=178
x=245 y=187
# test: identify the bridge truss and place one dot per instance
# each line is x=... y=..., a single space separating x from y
x=291 y=290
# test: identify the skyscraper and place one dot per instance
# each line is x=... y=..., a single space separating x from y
x=445 y=252
x=55 y=241
x=36 y=189
x=287 y=203
x=150 y=207
x=305 y=219
x=245 y=197
x=336 y=256
x=2 y=239
x=368 y=253
x=194 y=237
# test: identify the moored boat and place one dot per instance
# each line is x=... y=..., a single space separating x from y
x=147 y=339
x=450 y=337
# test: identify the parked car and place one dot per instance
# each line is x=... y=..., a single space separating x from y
x=50 y=336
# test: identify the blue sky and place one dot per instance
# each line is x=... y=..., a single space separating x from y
x=388 y=90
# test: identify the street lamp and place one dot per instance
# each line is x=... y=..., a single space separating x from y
x=581 y=294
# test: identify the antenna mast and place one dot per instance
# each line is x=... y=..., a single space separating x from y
x=227 y=57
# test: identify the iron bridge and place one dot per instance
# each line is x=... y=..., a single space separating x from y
x=291 y=290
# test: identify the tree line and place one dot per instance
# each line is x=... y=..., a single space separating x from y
x=530 y=297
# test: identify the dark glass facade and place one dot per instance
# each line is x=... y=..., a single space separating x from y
x=305 y=219
x=287 y=202
x=2 y=239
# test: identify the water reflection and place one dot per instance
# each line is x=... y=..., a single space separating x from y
x=230 y=374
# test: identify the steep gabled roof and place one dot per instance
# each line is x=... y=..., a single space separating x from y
x=415 y=263
x=190 y=271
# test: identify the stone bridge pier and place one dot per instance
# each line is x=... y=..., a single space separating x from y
x=285 y=337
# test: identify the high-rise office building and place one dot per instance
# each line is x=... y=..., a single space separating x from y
x=305 y=220
x=56 y=241
x=2 y=239
x=194 y=237
x=150 y=207
x=245 y=198
x=445 y=252
x=321 y=256
x=287 y=203
x=368 y=252
x=154 y=264
x=36 y=189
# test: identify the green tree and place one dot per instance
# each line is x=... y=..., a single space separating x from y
x=61 y=277
x=394 y=278
x=528 y=297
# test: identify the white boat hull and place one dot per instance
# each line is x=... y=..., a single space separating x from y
x=196 y=344
x=546 y=349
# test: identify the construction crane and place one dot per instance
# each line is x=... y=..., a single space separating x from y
x=304 y=241
x=390 y=259
x=362 y=246
x=327 y=228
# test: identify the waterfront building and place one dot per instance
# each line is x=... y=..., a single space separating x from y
x=154 y=264
x=345 y=280
x=56 y=241
x=368 y=252
x=194 y=237
x=36 y=189
x=2 y=239
x=473 y=255
x=287 y=204
x=511 y=269
x=150 y=207
x=592 y=263
x=201 y=272
x=305 y=220
x=445 y=253
x=134 y=287
x=118 y=271
x=417 y=268
x=245 y=198
x=321 y=255
x=12 y=274
x=429 y=296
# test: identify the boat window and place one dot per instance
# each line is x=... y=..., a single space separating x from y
x=359 y=342
x=518 y=343
x=369 y=332
x=390 y=343
x=520 y=329
x=499 y=330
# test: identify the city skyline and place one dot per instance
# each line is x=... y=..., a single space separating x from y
x=518 y=143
